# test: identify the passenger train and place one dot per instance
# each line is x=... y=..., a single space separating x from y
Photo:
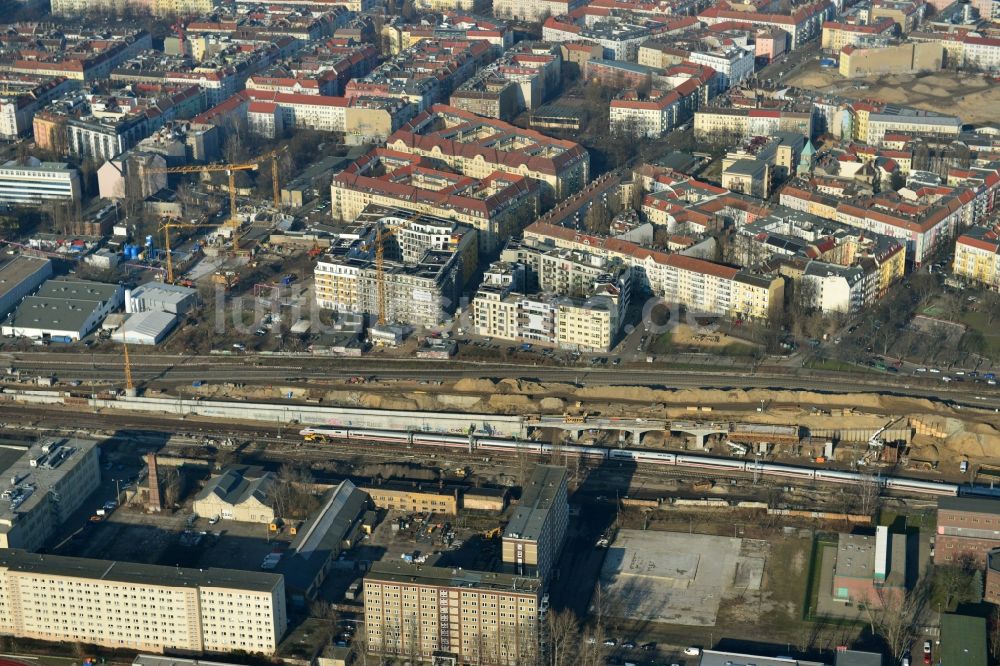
x=638 y=456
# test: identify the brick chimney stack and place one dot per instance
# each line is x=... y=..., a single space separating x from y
x=155 y=500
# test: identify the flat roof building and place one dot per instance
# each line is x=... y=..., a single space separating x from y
x=857 y=658
x=963 y=640
x=160 y=296
x=473 y=617
x=68 y=309
x=535 y=533
x=966 y=527
x=163 y=660
x=870 y=569
x=19 y=276
x=155 y=608
x=716 y=658
x=413 y=497
x=145 y=328
x=45 y=485
x=35 y=183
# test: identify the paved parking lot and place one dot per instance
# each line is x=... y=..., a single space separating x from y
x=673 y=577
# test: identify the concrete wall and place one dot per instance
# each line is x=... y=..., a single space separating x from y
x=304 y=415
x=922 y=57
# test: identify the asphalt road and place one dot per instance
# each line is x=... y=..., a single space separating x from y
x=168 y=370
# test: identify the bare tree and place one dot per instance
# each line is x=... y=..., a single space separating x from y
x=869 y=494
x=893 y=614
x=173 y=486
x=564 y=632
x=598 y=220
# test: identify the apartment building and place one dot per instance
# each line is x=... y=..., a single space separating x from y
x=977 y=256
x=455 y=25
x=427 y=262
x=734 y=65
x=426 y=73
x=25 y=96
x=139 y=606
x=770 y=43
x=929 y=217
x=749 y=176
x=71 y=8
x=85 y=57
x=54 y=478
x=965 y=49
x=711 y=288
x=476 y=147
x=894 y=119
x=541 y=294
x=802 y=25
x=534 y=536
x=837 y=35
x=522 y=79
x=497 y=204
x=580 y=323
x=907 y=14
x=652 y=116
x=456 y=616
x=36 y=182
x=966 y=528
x=619 y=39
x=733 y=124
x=661 y=54
x=533 y=10
x=849 y=270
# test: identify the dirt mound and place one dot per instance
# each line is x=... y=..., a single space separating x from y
x=458 y=401
x=375 y=401
x=511 y=404
x=472 y=385
x=555 y=405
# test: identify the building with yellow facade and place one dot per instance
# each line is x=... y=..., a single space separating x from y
x=837 y=35
x=453 y=615
x=977 y=256
x=140 y=606
x=478 y=147
x=411 y=498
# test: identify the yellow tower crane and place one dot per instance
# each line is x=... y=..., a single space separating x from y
x=129 y=385
x=165 y=228
x=380 y=236
x=230 y=170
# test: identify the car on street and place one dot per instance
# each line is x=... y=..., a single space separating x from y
x=692 y=651
x=610 y=642
x=628 y=645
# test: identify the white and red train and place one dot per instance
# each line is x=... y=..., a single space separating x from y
x=638 y=456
